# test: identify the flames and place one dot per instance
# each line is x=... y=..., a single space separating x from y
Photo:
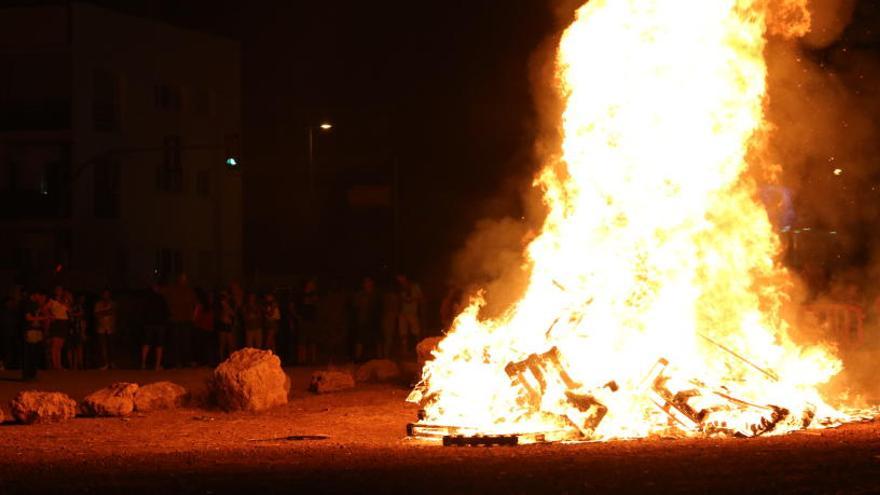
x=654 y=278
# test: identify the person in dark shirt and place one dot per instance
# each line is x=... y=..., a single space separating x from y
x=271 y=322
x=77 y=332
x=8 y=330
x=307 y=348
x=155 y=324
x=291 y=330
x=203 y=329
x=367 y=307
x=37 y=321
x=225 y=315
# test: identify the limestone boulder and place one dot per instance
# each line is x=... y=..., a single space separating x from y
x=330 y=381
x=42 y=407
x=115 y=400
x=160 y=395
x=250 y=380
x=377 y=370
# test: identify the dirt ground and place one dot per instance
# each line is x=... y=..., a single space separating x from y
x=203 y=451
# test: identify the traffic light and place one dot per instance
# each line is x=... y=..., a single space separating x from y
x=232 y=151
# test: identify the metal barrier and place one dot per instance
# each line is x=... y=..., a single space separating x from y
x=843 y=322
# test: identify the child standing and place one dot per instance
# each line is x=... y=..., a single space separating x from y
x=225 y=314
x=77 y=338
x=272 y=317
x=253 y=322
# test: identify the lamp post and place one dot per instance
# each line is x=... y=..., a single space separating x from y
x=396 y=254
x=323 y=127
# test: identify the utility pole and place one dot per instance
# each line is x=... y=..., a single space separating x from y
x=325 y=126
x=395 y=207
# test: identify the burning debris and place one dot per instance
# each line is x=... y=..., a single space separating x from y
x=539 y=373
x=682 y=405
x=692 y=407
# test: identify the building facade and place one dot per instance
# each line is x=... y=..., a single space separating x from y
x=114 y=135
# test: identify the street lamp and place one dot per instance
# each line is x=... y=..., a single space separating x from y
x=323 y=127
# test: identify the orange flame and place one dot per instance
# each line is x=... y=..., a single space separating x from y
x=655 y=245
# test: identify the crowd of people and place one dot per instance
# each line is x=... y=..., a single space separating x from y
x=176 y=325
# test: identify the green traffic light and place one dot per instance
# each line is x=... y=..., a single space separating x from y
x=231 y=162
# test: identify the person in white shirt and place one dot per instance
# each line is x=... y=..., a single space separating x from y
x=58 y=309
x=272 y=320
x=105 y=325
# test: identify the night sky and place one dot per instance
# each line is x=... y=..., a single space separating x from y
x=442 y=89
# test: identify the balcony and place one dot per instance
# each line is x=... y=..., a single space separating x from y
x=48 y=115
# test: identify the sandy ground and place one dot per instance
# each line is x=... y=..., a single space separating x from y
x=205 y=451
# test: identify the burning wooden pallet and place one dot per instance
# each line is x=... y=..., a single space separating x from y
x=678 y=405
x=544 y=385
x=457 y=436
x=538 y=373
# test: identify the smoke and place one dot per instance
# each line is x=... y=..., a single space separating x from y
x=821 y=111
x=828 y=19
x=823 y=139
x=493 y=258
x=823 y=135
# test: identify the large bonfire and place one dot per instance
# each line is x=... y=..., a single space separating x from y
x=655 y=298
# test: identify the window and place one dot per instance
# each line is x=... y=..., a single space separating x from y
x=121 y=279
x=169 y=262
x=106 y=101
x=203 y=183
x=63 y=248
x=206 y=266
x=203 y=102
x=34 y=180
x=31 y=166
x=169 y=175
x=22 y=258
x=35 y=90
x=106 y=189
x=168 y=97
